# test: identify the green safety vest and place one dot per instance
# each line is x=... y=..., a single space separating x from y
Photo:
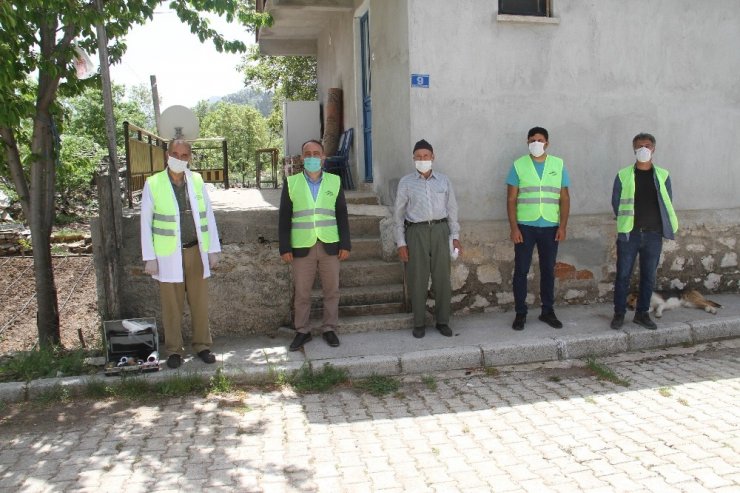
x=626 y=210
x=313 y=220
x=164 y=223
x=539 y=197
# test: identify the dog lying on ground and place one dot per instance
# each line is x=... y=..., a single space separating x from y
x=667 y=300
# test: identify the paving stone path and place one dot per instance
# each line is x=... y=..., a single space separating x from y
x=676 y=427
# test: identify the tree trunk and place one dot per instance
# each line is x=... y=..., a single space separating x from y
x=40 y=221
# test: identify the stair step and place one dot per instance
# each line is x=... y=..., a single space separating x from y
x=363 y=295
x=364 y=226
x=359 y=197
x=366 y=248
x=368 y=273
x=375 y=323
x=374 y=309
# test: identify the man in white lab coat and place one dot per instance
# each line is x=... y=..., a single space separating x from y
x=180 y=246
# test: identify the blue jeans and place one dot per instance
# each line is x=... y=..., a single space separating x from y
x=648 y=245
x=547 y=250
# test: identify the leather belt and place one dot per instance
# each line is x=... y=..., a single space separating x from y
x=190 y=245
x=433 y=221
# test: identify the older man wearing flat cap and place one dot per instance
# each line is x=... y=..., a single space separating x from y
x=425 y=220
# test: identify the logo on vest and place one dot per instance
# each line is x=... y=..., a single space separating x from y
x=329 y=193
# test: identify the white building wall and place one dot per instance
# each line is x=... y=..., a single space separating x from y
x=608 y=70
x=335 y=67
x=389 y=42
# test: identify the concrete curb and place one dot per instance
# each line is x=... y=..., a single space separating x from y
x=244 y=367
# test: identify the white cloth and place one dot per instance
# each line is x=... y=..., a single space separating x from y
x=170 y=267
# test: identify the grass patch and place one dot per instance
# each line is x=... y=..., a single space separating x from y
x=131 y=388
x=491 y=371
x=378 y=385
x=62 y=219
x=683 y=401
x=429 y=381
x=307 y=380
x=603 y=372
x=44 y=363
x=665 y=391
x=590 y=400
x=554 y=378
x=59 y=250
x=57 y=393
x=180 y=385
x=220 y=383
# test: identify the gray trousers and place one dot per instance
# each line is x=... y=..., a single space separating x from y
x=429 y=253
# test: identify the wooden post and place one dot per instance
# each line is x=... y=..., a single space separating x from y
x=155 y=102
x=108 y=194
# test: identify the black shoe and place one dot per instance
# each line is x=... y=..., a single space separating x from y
x=419 y=332
x=617 y=321
x=643 y=320
x=299 y=340
x=207 y=356
x=331 y=338
x=174 y=361
x=550 y=319
x=519 y=321
x=445 y=330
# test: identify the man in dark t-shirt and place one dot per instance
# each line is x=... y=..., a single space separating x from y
x=642 y=202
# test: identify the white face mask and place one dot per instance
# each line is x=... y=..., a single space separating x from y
x=423 y=166
x=536 y=148
x=176 y=165
x=643 y=154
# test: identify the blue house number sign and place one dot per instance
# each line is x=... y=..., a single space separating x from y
x=420 y=80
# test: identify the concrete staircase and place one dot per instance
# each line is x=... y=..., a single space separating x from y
x=371 y=289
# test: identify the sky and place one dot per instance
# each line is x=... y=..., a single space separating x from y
x=186 y=69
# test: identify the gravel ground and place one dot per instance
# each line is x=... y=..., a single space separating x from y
x=75 y=281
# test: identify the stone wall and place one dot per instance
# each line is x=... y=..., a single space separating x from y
x=251 y=290
x=704 y=257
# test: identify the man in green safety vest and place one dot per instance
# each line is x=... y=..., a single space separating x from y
x=642 y=202
x=180 y=246
x=538 y=205
x=313 y=229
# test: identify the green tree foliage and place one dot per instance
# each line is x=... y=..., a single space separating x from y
x=289 y=78
x=79 y=157
x=84 y=114
x=245 y=131
x=37 y=41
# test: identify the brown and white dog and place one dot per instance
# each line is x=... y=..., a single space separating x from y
x=667 y=300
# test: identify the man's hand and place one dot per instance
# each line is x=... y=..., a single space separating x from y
x=403 y=253
x=456 y=244
x=213 y=259
x=560 y=234
x=287 y=257
x=516 y=236
x=343 y=254
x=151 y=267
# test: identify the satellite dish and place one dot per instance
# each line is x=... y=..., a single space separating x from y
x=179 y=122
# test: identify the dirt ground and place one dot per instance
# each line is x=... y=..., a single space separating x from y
x=74 y=277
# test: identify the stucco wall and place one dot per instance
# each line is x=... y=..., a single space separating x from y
x=389 y=24
x=607 y=71
x=336 y=68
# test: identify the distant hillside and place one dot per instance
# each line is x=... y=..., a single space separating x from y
x=247 y=96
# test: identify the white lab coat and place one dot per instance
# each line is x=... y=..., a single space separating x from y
x=170 y=267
